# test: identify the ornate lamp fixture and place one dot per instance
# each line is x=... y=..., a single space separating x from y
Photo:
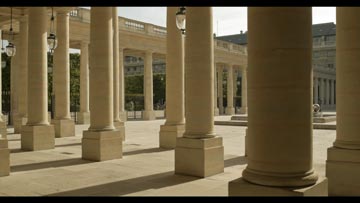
x=181 y=19
x=10 y=48
x=52 y=40
x=2 y=43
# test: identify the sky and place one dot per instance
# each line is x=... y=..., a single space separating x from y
x=226 y=20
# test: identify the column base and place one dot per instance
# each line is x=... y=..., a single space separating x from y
x=216 y=111
x=123 y=116
x=168 y=135
x=149 y=115
x=199 y=157
x=119 y=125
x=243 y=110
x=40 y=137
x=49 y=117
x=101 y=145
x=4 y=157
x=3 y=129
x=64 y=127
x=229 y=110
x=18 y=123
x=241 y=187
x=83 y=117
x=343 y=171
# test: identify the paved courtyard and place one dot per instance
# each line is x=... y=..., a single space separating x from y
x=144 y=170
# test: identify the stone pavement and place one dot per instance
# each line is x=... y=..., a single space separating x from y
x=144 y=170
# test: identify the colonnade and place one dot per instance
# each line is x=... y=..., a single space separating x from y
x=324 y=91
x=279 y=90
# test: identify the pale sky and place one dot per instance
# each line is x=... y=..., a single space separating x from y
x=226 y=20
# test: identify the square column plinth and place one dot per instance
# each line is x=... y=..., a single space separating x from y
x=83 y=117
x=230 y=111
x=39 y=137
x=64 y=128
x=119 y=125
x=18 y=123
x=241 y=187
x=4 y=158
x=101 y=145
x=149 y=115
x=243 y=110
x=169 y=134
x=216 y=112
x=123 y=116
x=3 y=128
x=343 y=172
x=199 y=157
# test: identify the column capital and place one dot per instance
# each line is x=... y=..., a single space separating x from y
x=63 y=10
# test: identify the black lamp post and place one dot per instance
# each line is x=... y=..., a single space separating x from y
x=181 y=19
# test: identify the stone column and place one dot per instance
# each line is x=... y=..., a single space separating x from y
x=244 y=108
x=235 y=76
x=322 y=92
x=4 y=148
x=327 y=91
x=21 y=80
x=343 y=159
x=118 y=124
x=280 y=144
x=216 y=109
x=332 y=93
x=229 y=110
x=149 y=113
x=316 y=93
x=220 y=90
x=14 y=66
x=37 y=134
x=175 y=108
x=122 y=114
x=199 y=152
x=64 y=125
x=101 y=141
x=84 y=114
x=3 y=126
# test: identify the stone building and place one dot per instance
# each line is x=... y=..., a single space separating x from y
x=324 y=66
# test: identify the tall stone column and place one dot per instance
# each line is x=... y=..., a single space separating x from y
x=101 y=141
x=343 y=159
x=322 y=92
x=235 y=76
x=118 y=124
x=22 y=51
x=244 y=98
x=84 y=114
x=327 y=82
x=175 y=106
x=37 y=134
x=64 y=125
x=316 y=93
x=4 y=148
x=3 y=126
x=220 y=90
x=229 y=110
x=280 y=144
x=149 y=113
x=332 y=93
x=122 y=114
x=216 y=109
x=199 y=152
x=14 y=66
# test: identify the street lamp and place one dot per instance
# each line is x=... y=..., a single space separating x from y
x=10 y=48
x=51 y=39
x=181 y=19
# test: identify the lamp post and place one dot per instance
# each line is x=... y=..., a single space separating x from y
x=10 y=48
x=181 y=19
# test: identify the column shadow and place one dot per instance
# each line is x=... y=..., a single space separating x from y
x=142 y=151
x=123 y=187
x=240 y=160
x=49 y=164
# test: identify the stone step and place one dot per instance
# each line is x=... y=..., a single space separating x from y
x=322 y=126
